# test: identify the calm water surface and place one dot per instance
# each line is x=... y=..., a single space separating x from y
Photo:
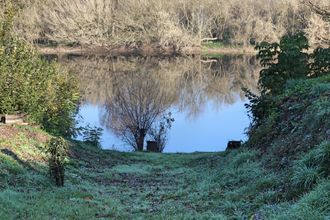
x=203 y=94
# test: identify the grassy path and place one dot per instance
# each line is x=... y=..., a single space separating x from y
x=112 y=185
x=153 y=185
x=100 y=184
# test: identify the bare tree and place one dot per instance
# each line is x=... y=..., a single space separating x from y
x=136 y=106
x=178 y=23
x=159 y=131
x=324 y=12
x=318 y=29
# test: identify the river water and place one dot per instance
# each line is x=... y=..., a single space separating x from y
x=203 y=94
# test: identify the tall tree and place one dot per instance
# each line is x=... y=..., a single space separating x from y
x=137 y=105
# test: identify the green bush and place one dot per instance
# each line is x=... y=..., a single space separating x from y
x=283 y=62
x=57 y=148
x=321 y=62
x=31 y=85
x=92 y=135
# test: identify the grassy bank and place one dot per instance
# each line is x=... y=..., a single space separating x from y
x=148 y=50
x=217 y=47
x=148 y=186
x=253 y=182
x=282 y=173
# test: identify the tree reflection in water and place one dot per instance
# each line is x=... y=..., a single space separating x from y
x=137 y=104
x=137 y=92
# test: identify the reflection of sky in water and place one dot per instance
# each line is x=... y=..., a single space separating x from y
x=209 y=95
x=91 y=115
x=209 y=131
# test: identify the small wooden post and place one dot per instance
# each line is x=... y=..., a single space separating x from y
x=152 y=146
x=2 y=119
x=12 y=119
x=234 y=144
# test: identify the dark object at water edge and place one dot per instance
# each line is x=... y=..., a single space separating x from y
x=152 y=146
x=234 y=145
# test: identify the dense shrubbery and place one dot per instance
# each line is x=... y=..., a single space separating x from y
x=291 y=121
x=302 y=111
x=281 y=62
x=31 y=85
x=321 y=62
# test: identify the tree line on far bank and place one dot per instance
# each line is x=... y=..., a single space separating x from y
x=173 y=23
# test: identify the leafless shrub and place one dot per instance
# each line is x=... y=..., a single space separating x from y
x=159 y=131
x=318 y=28
x=176 y=23
x=320 y=9
x=136 y=106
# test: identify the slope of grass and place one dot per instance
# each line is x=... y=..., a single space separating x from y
x=298 y=123
x=117 y=185
x=255 y=182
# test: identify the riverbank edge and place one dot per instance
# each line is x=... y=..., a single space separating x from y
x=144 y=50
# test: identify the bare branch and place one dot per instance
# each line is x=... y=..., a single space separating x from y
x=325 y=13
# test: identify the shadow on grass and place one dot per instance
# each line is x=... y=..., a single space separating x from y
x=16 y=158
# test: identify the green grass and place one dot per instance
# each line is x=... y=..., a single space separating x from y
x=114 y=185
x=213 y=44
x=282 y=173
x=217 y=49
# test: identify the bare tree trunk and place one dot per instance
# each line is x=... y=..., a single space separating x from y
x=115 y=5
x=140 y=139
x=114 y=10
